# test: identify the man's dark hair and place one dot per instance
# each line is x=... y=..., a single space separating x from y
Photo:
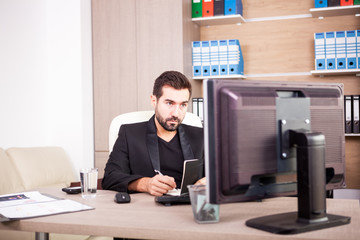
x=173 y=79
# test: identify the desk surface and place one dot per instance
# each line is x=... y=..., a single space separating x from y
x=145 y=219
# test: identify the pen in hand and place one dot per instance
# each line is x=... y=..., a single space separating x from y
x=158 y=172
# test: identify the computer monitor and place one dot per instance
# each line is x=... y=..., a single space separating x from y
x=259 y=135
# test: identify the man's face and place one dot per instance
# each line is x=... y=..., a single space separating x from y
x=171 y=107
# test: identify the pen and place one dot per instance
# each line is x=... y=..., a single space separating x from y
x=158 y=172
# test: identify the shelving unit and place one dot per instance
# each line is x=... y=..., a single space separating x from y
x=335 y=11
x=336 y=72
x=235 y=76
x=219 y=20
x=352 y=134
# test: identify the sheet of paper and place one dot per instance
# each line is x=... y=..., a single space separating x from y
x=42 y=209
x=23 y=198
x=174 y=192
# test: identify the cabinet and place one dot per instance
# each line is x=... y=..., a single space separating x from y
x=133 y=43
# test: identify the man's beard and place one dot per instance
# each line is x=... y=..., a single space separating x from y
x=164 y=123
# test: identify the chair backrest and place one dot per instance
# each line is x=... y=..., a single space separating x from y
x=142 y=116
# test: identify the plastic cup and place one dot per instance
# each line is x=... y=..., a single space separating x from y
x=203 y=211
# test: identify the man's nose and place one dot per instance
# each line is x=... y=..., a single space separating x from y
x=176 y=111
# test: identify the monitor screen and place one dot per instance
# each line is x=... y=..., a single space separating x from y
x=249 y=126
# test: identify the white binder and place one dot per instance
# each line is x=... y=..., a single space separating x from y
x=340 y=49
x=319 y=42
x=330 y=50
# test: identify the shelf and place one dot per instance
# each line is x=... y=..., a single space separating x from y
x=336 y=72
x=220 y=77
x=219 y=20
x=335 y=11
x=352 y=134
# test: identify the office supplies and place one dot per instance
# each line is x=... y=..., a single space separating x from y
x=320 y=3
x=333 y=3
x=207 y=8
x=72 y=190
x=196 y=8
x=191 y=171
x=340 y=50
x=348 y=113
x=201 y=108
x=233 y=7
x=203 y=211
x=195 y=108
x=205 y=58
x=198 y=107
x=214 y=58
x=319 y=39
x=330 y=51
x=158 y=172
x=346 y=2
x=196 y=58
x=122 y=197
x=351 y=50
x=223 y=57
x=172 y=192
x=219 y=7
x=234 y=53
x=356 y=118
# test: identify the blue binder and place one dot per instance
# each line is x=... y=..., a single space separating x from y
x=351 y=50
x=205 y=58
x=223 y=57
x=233 y=7
x=330 y=50
x=320 y=3
x=340 y=48
x=214 y=57
x=319 y=42
x=196 y=58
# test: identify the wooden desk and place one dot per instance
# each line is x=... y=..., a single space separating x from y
x=145 y=219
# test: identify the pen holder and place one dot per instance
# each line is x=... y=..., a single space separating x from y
x=203 y=211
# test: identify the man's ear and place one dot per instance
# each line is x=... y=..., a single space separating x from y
x=153 y=100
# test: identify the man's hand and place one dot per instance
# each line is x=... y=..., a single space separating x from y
x=201 y=181
x=157 y=185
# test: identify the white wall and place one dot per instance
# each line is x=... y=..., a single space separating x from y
x=46 y=76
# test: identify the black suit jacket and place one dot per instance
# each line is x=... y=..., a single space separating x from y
x=136 y=153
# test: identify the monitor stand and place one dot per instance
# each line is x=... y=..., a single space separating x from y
x=311 y=214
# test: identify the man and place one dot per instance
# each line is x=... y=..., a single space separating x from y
x=162 y=143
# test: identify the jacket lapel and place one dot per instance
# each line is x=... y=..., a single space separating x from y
x=185 y=145
x=152 y=144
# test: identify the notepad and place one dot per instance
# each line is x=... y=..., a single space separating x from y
x=191 y=170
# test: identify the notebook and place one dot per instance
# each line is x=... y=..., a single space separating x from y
x=191 y=170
